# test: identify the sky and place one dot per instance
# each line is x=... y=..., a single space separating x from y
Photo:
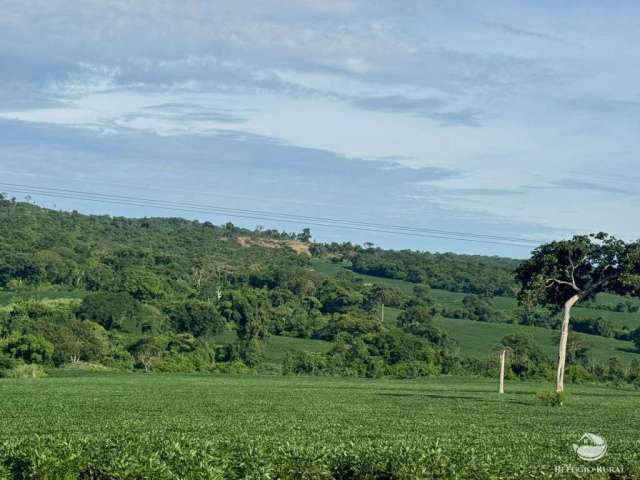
x=511 y=119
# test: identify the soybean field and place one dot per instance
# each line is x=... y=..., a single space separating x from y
x=132 y=426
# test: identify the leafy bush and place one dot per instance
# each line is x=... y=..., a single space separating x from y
x=304 y=363
x=526 y=359
x=143 y=284
x=29 y=348
x=577 y=373
x=412 y=370
x=552 y=399
x=87 y=367
x=233 y=368
x=593 y=326
x=111 y=310
x=26 y=371
x=196 y=317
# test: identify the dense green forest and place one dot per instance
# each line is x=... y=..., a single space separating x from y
x=456 y=273
x=173 y=295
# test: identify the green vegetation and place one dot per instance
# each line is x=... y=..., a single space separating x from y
x=457 y=273
x=477 y=338
x=99 y=314
x=208 y=427
x=563 y=273
x=171 y=295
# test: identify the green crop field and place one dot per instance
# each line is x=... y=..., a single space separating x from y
x=195 y=426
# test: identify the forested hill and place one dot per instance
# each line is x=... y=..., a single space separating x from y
x=41 y=246
x=45 y=247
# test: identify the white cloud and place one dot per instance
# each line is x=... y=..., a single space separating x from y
x=511 y=95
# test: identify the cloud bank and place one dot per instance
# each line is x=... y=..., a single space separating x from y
x=509 y=118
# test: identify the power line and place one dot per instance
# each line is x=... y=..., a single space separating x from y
x=252 y=214
x=284 y=216
x=268 y=216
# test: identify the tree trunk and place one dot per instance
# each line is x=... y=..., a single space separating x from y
x=503 y=355
x=564 y=335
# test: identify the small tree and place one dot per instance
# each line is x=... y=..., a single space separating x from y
x=305 y=236
x=560 y=274
x=111 y=310
x=196 y=317
x=253 y=319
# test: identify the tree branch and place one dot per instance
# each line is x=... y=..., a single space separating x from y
x=563 y=282
x=572 y=274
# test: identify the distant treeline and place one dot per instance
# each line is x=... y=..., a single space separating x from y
x=447 y=271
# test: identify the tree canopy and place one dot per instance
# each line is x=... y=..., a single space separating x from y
x=583 y=266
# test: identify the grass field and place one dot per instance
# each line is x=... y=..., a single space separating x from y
x=191 y=426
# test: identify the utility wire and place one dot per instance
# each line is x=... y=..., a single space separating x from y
x=268 y=216
x=275 y=216
x=280 y=216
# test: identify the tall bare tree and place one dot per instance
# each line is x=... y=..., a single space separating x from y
x=502 y=355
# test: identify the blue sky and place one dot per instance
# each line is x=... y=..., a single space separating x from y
x=498 y=118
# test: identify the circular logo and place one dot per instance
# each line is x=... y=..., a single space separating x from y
x=591 y=447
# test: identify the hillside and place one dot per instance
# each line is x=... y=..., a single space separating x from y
x=478 y=338
x=168 y=294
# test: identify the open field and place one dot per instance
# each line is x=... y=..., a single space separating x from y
x=192 y=426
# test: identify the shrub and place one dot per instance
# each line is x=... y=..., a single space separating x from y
x=30 y=348
x=577 y=373
x=26 y=371
x=304 y=363
x=111 y=310
x=552 y=399
x=233 y=368
x=413 y=370
x=195 y=317
x=87 y=367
